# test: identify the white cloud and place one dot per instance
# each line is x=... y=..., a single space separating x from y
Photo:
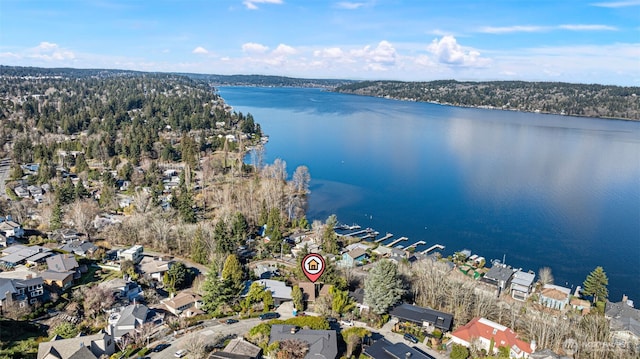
x=49 y=51
x=200 y=50
x=617 y=4
x=251 y=4
x=331 y=53
x=348 y=5
x=254 y=48
x=448 y=51
x=510 y=29
x=579 y=27
x=284 y=50
x=378 y=58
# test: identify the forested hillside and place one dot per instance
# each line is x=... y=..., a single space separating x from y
x=545 y=97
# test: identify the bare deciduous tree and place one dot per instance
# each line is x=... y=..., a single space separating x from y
x=545 y=276
x=82 y=214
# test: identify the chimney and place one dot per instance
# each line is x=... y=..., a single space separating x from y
x=624 y=298
x=407 y=355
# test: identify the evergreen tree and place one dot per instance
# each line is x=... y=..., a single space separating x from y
x=329 y=237
x=297 y=297
x=224 y=242
x=596 y=285
x=81 y=191
x=198 y=248
x=273 y=225
x=459 y=352
x=56 y=216
x=233 y=273
x=214 y=291
x=264 y=214
x=383 y=287
x=175 y=277
x=239 y=226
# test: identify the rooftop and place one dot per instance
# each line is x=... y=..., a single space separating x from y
x=323 y=344
x=384 y=349
x=555 y=292
x=420 y=315
x=487 y=329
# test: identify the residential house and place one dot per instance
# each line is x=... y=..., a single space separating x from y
x=128 y=320
x=499 y=276
x=21 y=192
x=123 y=288
x=4 y=241
x=581 y=305
x=358 y=296
x=64 y=235
x=384 y=349
x=155 y=268
x=554 y=296
x=238 y=348
x=64 y=263
x=382 y=251
x=397 y=255
x=266 y=271
x=133 y=254
x=323 y=344
x=184 y=304
x=309 y=292
x=354 y=257
x=522 y=285
x=624 y=321
x=22 y=291
x=80 y=347
x=424 y=317
x=62 y=280
x=10 y=228
x=279 y=290
x=80 y=248
x=483 y=332
x=20 y=254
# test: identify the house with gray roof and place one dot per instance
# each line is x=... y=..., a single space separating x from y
x=280 y=291
x=20 y=254
x=81 y=347
x=624 y=320
x=80 y=248
x=424 y=317
x=64 y=263
x=521 y=285
x=238 y=348
x=384 y=349
x=128 y=320
x=323 y=344
x=499 y=276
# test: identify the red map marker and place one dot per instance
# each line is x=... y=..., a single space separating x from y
x=313 y=266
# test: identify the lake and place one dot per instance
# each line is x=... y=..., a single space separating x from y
x=538 y=190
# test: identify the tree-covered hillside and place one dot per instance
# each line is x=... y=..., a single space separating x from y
x=544 y=97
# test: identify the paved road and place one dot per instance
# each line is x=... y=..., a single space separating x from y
x=5 y=164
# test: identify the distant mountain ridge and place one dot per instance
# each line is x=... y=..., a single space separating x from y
x=603 y=101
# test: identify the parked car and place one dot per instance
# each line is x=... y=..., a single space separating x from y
x=410 y=337
x=160 y=347
x=231 y=321
x=346 y=323
x=269 y=315
x=180 y=353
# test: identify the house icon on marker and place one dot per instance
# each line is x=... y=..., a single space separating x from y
x=313 y=265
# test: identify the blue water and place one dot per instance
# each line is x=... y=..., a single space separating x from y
x=541 y=190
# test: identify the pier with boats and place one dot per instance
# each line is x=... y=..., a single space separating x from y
x=388 y=240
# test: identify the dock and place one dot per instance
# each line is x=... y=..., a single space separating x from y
x=435 y=246
x=417 y=244
x=369 y=235
x=353 y=234
x=387 y=236
x=397 y=241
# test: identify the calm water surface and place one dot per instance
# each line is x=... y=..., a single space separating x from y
x=541 y=190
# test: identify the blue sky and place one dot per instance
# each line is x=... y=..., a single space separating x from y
x=545 y=40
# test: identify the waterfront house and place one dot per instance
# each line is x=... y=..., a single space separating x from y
x=354 y=257
x=624 y=321
x=522 y=285
x=554 y=296
x=384 y=349
x=83 y=346
x=483 y=332
x=322 y=343
x=428 y=318
x=581 y=305
x=499 y=276
x=184 y=304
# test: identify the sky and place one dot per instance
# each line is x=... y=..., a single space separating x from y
x=578 y=41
